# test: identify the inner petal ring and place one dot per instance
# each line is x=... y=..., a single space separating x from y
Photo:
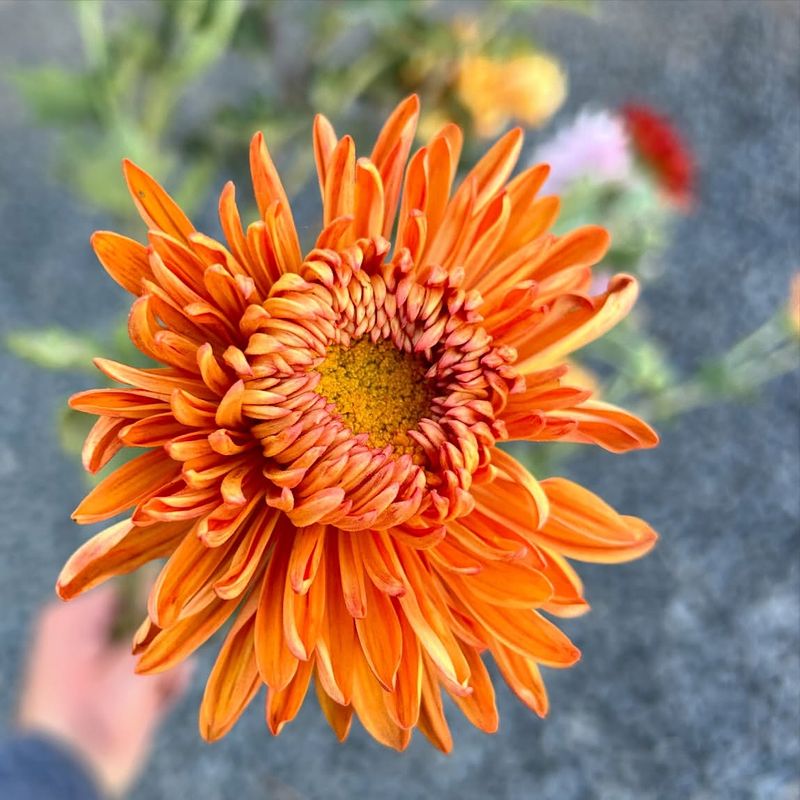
x=373 y=392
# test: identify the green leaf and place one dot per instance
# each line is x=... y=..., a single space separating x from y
x=54 y=348
x=54 y=95
x=210 y=38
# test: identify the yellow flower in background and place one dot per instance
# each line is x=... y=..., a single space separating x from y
x=528 y=89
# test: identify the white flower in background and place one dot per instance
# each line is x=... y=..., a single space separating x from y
x=595 y=146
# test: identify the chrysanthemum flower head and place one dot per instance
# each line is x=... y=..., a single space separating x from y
x=320 y=456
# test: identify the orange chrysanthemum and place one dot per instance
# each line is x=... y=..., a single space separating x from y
x=320 y=451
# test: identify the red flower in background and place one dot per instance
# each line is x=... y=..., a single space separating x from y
x=661 y=147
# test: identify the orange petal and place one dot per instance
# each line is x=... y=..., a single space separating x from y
x=192 y=567
x=431 y=716
x=567 y=599
x=368 y=551
x=584 y=246
x=369 y=704
x=302 y=616
x=510 y=584
x=102 y=443
x=309 y=546
x=352 y=576
x=133 y=482
x=523 y=676
x=489 y=233
x=158 y=210
x=517 y=473
x=161 y=382
x=324 y=145
x=427 y=615
x=584 y=527
x=153 y=431
x=234 y=680
x=340 y=181
x=608 y=426
x=479 y=707
x=368 y=209
x=454 y=227
x=493 y=169
x=276 y=663
x=442 y=158
x=118 y=549
x=118 y=403
x=573 y=323
x=283 y=704
x=232 y=226
x=479 y=538
x=380 y=636
x=526 y=632
x=270 y=195
x=337 y=640
x=404 y=702
x=530 y=217
x=267 y=184
x=179 y=270
x=125 y=260
x=391 y=153
x=414 y=192
x=316 y=507
x=143 y=636
x=173 y=645
x=339 y=717
x=249 y=554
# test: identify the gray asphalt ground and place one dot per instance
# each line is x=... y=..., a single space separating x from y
x=690 y=683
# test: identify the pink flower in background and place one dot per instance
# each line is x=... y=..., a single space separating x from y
x=596 y=145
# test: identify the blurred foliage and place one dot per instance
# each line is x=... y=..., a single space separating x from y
x=637 y=219
x=70 y=351
x=122 y=102
x=54 y=348
x=340 y=57
x=153 y=86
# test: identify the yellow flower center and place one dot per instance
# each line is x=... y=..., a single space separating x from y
x=378 y=390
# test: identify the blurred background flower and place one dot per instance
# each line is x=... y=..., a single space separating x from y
x=793 y=309
x=526 y=89
x=660 y=146
x=593 y=147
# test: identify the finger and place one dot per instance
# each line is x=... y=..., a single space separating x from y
x=151 y=693
x=139 y=696
x=79 y=626
x=91 y=614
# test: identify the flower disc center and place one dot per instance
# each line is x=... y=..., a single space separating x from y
x=378 y=390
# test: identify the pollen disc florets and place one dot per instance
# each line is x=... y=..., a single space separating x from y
x=378 y=390
x=374 y=391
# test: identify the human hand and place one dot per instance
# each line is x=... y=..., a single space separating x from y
x=80 y=688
